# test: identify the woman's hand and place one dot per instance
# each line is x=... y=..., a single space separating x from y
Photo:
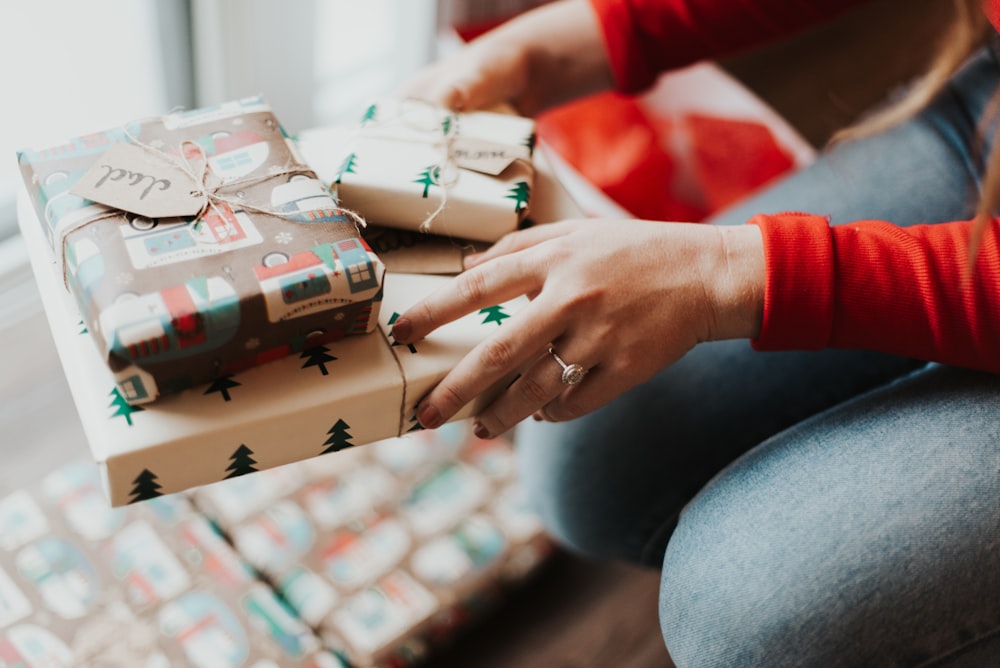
x=623 y=299
x=543 y=57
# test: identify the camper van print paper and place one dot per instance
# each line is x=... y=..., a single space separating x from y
x=151 y=585
x=418 y=167
x=271 y=267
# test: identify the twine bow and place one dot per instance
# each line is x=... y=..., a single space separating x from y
x=203 y=186
x=438 y=129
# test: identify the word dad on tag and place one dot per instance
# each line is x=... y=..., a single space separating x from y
x=142 y=181
x=487 y=157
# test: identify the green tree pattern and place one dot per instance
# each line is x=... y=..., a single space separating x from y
x=494 y=314
x=370 y=114
x=222 y=385
x=428 y=178
x=122 y=409
x=520 y=193
x=414 y=424
x=392 y=319
x=347 y=166
x=241 y=462
x=317 y=356
x=145 y=487
x=529 y=142
x=339 y=439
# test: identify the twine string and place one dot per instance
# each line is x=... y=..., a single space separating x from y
x=210 y=194
x=439 y=132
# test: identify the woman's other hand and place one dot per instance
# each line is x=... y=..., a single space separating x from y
x=623 y=299
x=541 y=58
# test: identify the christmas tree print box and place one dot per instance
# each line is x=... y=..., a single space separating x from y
x=266 y=266
x=329 y=397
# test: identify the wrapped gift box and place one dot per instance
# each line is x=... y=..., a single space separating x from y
x=349 y=392
x=408 y=538
x=413 y=166
x=151 y=585
x=270 y=268
x=413 y=252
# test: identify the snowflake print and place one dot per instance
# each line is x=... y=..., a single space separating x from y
x=284 y=238
x=252 y=343
x=156 y=143
x=125 y=278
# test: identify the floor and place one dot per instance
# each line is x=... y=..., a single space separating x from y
x=571 y=613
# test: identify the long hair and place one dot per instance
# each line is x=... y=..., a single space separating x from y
x=969 y=30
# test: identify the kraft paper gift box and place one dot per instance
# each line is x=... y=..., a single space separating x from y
x=408 y=539
x=354 y=391
x=152 y=585
x=414 y=166
x=270 y=267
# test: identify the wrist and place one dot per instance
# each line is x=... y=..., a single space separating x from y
x=737 y=291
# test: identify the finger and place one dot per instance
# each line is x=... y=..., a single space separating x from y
x=537 y=387
x=486 y=285
x=601 y=384
x=519 y=240
x=507 y=350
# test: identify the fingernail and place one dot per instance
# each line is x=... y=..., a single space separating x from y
x=429 y=417
x=471 y=260
x=480 y=430
x=402 y=329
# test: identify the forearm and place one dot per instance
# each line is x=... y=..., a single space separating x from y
x=737 y=284
x=875 y=286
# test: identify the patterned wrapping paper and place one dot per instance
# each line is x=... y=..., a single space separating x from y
x=154 y=585
x=406 y=541
x=273 y=267
x=350 y=392
x=415 y=167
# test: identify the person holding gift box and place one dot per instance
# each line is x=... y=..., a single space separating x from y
x=832 y=501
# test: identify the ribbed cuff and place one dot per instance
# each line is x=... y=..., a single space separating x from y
x=798 y=294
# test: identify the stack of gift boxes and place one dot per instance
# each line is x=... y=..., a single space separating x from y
x=219 y=310
x=258 y=329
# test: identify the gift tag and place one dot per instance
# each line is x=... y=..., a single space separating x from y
x=141 y=180
x=486 y=157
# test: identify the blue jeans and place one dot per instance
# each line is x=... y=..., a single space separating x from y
x=839 y=508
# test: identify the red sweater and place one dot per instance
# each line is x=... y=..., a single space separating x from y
x=868 y=284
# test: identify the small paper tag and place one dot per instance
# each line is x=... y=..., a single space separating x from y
x=486 y=157
x=139 y=180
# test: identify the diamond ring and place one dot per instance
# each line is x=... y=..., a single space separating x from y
x=572 y=373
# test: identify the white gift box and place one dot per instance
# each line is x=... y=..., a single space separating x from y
x=417 y=167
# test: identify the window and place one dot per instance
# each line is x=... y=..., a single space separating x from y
x=72 y=68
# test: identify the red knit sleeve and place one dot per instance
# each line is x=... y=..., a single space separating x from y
x=646 y=37
x=876 y=286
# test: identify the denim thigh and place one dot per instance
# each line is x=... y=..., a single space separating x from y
x=868 y=535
